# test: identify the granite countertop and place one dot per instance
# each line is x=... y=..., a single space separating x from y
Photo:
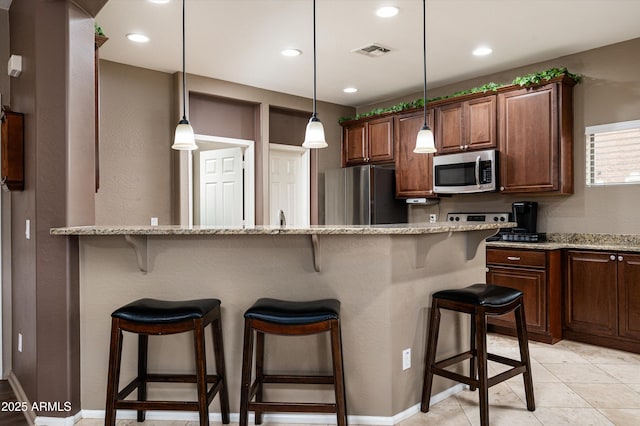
x=556 y=241
x=394 y=229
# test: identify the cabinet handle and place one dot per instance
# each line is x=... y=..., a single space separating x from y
x=502 y=188
x=515 y=258
x=461 y=147
x=620 y=258
x=466 y=147
x=612 y=257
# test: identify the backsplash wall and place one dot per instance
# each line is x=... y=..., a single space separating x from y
x=610 y=92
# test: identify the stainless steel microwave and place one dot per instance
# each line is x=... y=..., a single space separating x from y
x=465 y=173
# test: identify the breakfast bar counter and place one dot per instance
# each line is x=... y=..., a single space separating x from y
x=383 y=276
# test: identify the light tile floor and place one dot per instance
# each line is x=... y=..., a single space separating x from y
x=574 y=384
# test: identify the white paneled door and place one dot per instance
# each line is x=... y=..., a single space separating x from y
x=289 y=184
x=221 y=187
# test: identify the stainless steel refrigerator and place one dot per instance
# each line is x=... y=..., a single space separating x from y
x=362 y=195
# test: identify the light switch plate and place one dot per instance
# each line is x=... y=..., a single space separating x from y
x=27 y=229
x=406 y=359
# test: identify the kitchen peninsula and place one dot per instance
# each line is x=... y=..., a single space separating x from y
x=383 y=275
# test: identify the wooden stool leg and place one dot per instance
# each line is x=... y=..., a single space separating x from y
x=259 y=374
x=473 y=370
x=201 y=372
x=247 y=360
x=338 y=373
x=523 y=342
x=483 y=380
x=113 y=379
x=432 y=341
x=221 y=369
x=143 y=345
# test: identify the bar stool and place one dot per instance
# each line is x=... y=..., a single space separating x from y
x=157 y=317
x=478 y=300
x=290 y=319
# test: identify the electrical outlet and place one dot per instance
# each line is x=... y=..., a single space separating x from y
x=27 y=229
x=433 y=218
x=154 y=221
x=406 y=359
x=19 y=342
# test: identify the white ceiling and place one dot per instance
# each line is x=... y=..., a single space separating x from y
x=240 y=40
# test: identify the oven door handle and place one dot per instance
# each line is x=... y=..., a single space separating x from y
x=478 y=171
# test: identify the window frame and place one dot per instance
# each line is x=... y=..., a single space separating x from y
x=604 y=128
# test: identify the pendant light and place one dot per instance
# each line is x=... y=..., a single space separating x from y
x=184 y=139
x=314 y=136
x=425 y=143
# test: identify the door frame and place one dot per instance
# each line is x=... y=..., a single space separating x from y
x=248 y=172
x=305 y=171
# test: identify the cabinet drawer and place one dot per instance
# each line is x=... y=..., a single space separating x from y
x=529 y=258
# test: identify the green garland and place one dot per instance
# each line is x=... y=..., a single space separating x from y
x=527 y=80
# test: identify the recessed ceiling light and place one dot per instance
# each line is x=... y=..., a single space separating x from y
x=387 y=11
x=138 y=38
x=291 y=52
x=482 y=51
x=349 y=90
x=160 y=1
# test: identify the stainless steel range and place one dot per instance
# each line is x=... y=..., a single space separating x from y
x=523 y=233
x=478 y=217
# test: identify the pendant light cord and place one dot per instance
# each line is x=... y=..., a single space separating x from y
x=424 y=53
x=314 y=58
x=184 y=75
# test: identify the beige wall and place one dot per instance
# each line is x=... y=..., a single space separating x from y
x=139 y=111
x=136 y=130
x=610 y=92
x=5 y=213
x=56 y=94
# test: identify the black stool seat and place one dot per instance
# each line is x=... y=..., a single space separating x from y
x=294 y=313
x=153 y=311
x=481 y=295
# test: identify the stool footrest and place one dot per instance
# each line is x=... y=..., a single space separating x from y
x=499 y=378
x=158 y=405
x=439 y=369
x=169 y=378
x=454 y=359
x=298 y=379
x=179 y=378
x=295 y=407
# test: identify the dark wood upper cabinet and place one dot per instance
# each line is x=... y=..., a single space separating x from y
x=413 y=171
x=12 y=141
x=98 y=42
x=368 y=142
x=535 y=128
x=467 y=125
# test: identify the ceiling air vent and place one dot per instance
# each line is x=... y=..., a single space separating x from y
x=372 y=50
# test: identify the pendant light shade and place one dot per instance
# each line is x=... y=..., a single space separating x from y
x=314 y=135
x=184 y=139
x=425 y=142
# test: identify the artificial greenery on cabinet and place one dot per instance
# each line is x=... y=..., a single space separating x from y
x=526 y=80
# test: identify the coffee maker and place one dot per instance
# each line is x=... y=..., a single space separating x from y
x=525 y=214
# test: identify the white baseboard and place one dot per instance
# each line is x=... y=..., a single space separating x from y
x=270 y=418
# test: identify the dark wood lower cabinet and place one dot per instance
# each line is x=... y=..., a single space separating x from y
x=602 y=299
x=537 y=274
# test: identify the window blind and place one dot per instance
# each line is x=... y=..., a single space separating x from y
x=613 y=154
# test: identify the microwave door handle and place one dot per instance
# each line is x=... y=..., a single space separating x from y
x=478 y=171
